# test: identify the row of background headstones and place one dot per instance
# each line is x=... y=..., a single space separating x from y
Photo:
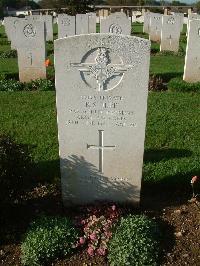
x=166 y=29
x=85 y=23
x=161 y=28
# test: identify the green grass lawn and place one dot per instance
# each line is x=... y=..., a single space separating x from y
x=172 y=151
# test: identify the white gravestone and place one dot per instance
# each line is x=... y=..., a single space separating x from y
x=181 y=16
x=101 y=96
x=146 y=26
x=66 y=25
x=31 y=50
x=155 y=27
x=116 y=23
x=8 y=24
x=48 y=20
x=82 y=24
x=191 y=17
x=92 y=22
x=140 y=19
x=48 y=25
x=170 y=33
x=192 y=58
x=13 y=35
x=133 y=17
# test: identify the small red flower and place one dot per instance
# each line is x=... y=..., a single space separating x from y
x=47 y=62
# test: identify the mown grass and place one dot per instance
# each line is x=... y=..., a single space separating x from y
x=172 y=152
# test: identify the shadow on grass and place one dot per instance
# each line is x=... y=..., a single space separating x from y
x=167 y=75
x=171 y=190
x=156 y=155
x=9 y=75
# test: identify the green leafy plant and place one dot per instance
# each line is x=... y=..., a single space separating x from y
x=10 y=85
x=47 y=239
x=14 y=163
x=40 y=85
x=35 y=85
x=178 y=84
x=134 y=242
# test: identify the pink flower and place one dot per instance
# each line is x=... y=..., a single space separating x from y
x=93 y=236
x=101 y=251
x=90 y=251
x=113 y=207
x=81 y=240
x=108 y=234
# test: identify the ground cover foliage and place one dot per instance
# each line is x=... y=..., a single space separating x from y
x=48 y=238
x=135 y=242
x=172 y=156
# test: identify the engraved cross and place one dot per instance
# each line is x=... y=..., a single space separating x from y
x=102 y=70
x=101 y=149
x=170 y=39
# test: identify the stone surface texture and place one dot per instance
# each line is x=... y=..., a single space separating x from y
x=181 y=16
x=66 y=26
x=191 y=16
x=31 y=50
x=101 y=96
x=92 y=22
x=48 y=25
x=82 y=24
x=8 y=24
x=155 y=27
x=116 y=23
x=192 y=58
x=170 y=33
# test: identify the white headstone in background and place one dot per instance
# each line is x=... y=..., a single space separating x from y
x=66 y=25
x=181 y=16
x=155 y=27
x=192 y=58
x=185 y=20
x=101 y=96
x=31 y=50
x=13 y=31
x=8 y=24
x=133 y=17
x=191 y=17
x=82 y=24
x=170 y=33
x=116 y=23
x=140 y=19
x=92 y=22
x=48 y=20
x=48 y=25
